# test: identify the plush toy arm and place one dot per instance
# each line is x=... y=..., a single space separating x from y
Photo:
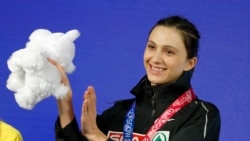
x=60 y=92
x=15 y=81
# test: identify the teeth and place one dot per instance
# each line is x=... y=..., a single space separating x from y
x=157 y=69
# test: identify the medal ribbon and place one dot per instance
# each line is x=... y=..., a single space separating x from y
x=129 y=124
x=178 y=104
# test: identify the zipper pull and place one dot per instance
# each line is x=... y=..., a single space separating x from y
x=153 y=102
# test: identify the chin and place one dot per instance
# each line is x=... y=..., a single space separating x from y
x=155 y=81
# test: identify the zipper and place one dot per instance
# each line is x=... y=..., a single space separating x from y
x=153 y=103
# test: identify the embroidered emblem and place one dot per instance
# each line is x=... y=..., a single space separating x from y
x=161 y=136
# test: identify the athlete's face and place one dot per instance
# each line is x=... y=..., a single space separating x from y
x=165 y=56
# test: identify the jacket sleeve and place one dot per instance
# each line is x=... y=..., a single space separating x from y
x=72 y=133
x=69 y=133
x=207 y=128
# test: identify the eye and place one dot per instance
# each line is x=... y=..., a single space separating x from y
x=150 y=46
x=170 y=52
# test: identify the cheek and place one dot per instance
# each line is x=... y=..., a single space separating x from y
x=145 y=56
x=179 y=66
x=168 y=61
x=173 y=64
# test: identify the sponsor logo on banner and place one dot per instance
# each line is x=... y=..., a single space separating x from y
x=159 y=136
x=118 y=136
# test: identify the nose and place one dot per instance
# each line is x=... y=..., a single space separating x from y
x=156 y=57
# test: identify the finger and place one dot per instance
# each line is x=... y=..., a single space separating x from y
x=52 y=61
x=64 y=78
x=55 y=63
x=92 y=94
x=84 y=118
x=92 y=100
x=86 y=101
x=85 y=106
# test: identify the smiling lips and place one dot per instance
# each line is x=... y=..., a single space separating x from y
x=157 y=69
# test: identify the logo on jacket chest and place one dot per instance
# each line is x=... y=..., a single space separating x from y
x=159 y=136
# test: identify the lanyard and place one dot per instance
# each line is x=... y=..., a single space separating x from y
x=178 y=104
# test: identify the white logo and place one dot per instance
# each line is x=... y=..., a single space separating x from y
x=171 y=119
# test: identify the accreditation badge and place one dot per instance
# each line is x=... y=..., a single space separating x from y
x=161 y=136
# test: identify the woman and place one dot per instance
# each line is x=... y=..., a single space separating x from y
x=165 y=106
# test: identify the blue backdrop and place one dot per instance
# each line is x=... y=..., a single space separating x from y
x=110 y=49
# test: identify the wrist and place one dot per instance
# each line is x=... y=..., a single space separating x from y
x=97 y=136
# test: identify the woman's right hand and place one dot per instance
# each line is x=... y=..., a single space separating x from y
x=65 y=106
x=65 y=79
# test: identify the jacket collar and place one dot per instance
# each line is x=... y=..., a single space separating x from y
x=171 y=91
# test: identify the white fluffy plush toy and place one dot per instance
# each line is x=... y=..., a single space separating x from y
x=32 y=77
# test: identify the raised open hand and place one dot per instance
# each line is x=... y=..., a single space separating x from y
x=88 y=118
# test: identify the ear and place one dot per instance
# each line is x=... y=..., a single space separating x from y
x=190 y=64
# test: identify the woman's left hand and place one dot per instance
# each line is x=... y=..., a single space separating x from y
x=88 y=118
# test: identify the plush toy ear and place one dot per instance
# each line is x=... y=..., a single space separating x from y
x=72 y=35
x=39 y=34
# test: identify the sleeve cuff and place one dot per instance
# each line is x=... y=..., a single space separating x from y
x=69 y=131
